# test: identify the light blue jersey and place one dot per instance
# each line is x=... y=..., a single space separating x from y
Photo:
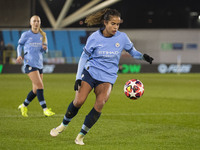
x=33 y=52
x=104 y=55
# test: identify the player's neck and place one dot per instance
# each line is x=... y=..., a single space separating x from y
x=35 y=30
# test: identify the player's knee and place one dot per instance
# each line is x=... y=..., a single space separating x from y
x=78 y=103
x=39 y=86
x=100 y=104
x=103 y=99
x=103 y=102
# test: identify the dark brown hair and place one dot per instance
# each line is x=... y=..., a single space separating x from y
x=98 y=17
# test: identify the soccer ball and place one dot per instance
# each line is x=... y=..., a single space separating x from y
x=134 y=89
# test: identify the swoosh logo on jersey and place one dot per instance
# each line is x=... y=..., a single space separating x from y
x=100 y=45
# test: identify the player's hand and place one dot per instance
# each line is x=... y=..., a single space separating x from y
x=19 y=59
x=77 y=83
x=148 y=58
x=44 y=46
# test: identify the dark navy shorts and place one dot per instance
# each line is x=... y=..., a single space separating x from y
x=29 y=69
x=91 y=81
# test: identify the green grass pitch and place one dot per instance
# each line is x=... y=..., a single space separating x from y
x=166 y=117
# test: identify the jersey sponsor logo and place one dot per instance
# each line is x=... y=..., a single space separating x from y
x=35 y=44
x=109 y=52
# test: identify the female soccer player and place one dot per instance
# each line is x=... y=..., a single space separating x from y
x=97 y=68
x=34 y=42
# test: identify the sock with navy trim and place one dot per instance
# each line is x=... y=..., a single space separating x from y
x=29 y=98
x=90 y=120
x=71 y=112
x=40 y=96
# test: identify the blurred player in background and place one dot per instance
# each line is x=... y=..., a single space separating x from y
x=34 y=42
x=98 y=67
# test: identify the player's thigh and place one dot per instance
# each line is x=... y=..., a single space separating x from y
x=82 y=94
x=36 y=79
x=41 y=76
x=34 y=87
x=102 y=91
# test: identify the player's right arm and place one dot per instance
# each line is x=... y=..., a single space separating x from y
x=83 y=59
x=89 y=47
x=21 y=43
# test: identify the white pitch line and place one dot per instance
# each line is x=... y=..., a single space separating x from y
x=152 y=114
x=105 y=114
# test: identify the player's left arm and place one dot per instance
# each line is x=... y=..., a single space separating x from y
x=148 y=58
x=44 y=48
x=44 y=41
x=137 y=55
x=129 y=47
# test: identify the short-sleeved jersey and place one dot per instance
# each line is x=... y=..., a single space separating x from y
x=33 y=52
x=105 y=54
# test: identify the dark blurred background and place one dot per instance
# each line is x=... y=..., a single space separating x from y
x=138 y=13
x=135 y=13
x=168 y=30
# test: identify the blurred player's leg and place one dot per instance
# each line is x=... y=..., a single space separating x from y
x=24 y=110
x=58 y=130
x=37 y=82
x=73 y=108
x=90 y=120
x=71 y=112
x=23 y=107
x=79 y=139
x=102 y=92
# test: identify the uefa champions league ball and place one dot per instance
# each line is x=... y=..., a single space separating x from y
x=134 y=89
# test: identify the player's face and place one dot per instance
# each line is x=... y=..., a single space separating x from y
x=111 y=26
x=35 y=22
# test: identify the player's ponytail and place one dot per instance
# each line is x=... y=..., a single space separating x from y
x=98 y=17
x=44 y=39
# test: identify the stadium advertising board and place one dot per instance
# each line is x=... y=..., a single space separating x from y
x=174 y=68
x=123 y=68
x=53 y=68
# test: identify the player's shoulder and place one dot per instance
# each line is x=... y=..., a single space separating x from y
x=94 y=36
x=123 y=36
x=120 y=33
x=26 y=33
x=95 y=33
